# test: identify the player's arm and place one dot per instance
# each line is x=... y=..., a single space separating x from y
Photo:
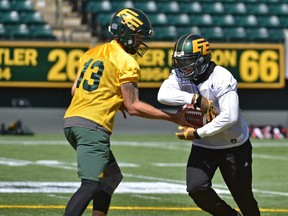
x=74 y=86
x=229 y=112
x=171 y=94
x=75 y=82
x=228 y=116
x=134 y=106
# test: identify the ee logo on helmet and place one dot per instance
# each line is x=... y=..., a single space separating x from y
x=202 y=46
x=130 y=19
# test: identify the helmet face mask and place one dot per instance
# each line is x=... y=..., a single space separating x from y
x=191 y=56
x=130 y=26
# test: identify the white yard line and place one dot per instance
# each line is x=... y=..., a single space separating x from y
x=270 y=157
x=124 y=187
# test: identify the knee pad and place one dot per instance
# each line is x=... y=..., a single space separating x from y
x=112 y=178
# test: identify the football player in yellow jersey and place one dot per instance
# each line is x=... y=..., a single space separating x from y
x=107 y=82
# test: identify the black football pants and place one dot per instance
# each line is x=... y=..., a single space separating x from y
x=235 y=165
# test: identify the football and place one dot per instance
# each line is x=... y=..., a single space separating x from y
x=194 y=116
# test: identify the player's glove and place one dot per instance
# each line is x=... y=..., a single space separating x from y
x=189 y=133
x=206 y=107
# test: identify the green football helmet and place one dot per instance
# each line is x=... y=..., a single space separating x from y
x=191 y=55
x=127 y=25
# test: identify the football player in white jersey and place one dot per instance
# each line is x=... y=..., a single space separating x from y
x=222 y=143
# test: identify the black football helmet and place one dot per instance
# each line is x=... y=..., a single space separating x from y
x=126 y=24
x=191 y=55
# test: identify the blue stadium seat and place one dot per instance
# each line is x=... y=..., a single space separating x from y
x=117 y=5
x=246 y=20
x=32 y=18
x=213 y=34
x=41 y=32
x=188 y=30
x=168 y=7
x=276 y=34
x=5 y=5
x=165 y=33
x=258 y=34
x=98 y=7
x=213 y=7
x=2 y=31
x=10 y=17
x=201 y=20
x=278 y=9
x=235 y=34
x=18 y=32
x=268 y=21
x=224 y=20
x=235 y=7
x=103 y=19
x=191 y=7
x=158 y=19
x=22 y=5
x=146 y=6
x=257 y=8
x=178 y=19
x=283 y=21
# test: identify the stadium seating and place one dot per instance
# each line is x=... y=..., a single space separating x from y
x=234 y=34
x=117 y=5
x=188 y=30
x=257 y=9
x=190 y=7
x=213 y=7
x=224 y=20
x=215 y=34
x=158 y=19
x=2 y=31
x=41 y=32
x=165 y=33
x=147 y=6
x=18 y=31
x=257 y=34
x=10 y=17
x=20 y=21
x=278 y=9
x=219 y=20
x=98 y=7
x=168 y=7
x=235 y=7
x=179 y=19
x=5 y=5
x=32 y=18
x=22 y=5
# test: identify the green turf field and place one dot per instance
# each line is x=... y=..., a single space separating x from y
x=38 y=176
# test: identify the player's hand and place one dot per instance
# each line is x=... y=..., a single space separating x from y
x=210 y=112
x=206 y=106
x=187 y=133
x=180 y=118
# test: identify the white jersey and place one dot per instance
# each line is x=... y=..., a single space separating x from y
x=228 y=129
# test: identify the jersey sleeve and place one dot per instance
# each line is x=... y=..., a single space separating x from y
x=129 y=70
x=171 y=94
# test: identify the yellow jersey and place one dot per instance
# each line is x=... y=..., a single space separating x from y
x=102 y=70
